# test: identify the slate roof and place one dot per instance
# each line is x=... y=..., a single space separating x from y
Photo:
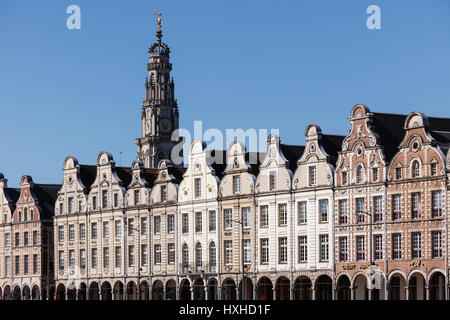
x=46 y=195
x=389 y=128
x=87 y=175
x=292 y=153
x=332 y=145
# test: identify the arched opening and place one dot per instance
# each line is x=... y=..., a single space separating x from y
x=26 y=293
x=302 y=288
x=264 y=289
x=16 y=293
x=437 y=286
x=185 y=290
x=158 y=290
x=71 y=292
x=416 y=287
x=118 y=290
x=282 y=288
x=415 y=167
x=343 y=288
x=7 y=293
x=360 y=291
x=35 y=294
x=248 y=289
x=60 y=292
x=52 y=293
x=228 y=289
x=94 y=291
x=131 y=291
x=106 y=291
x=145 y=290
x=212 y=289
x=323 y=288
x=171 y=290
x=82 y=291
x=397 y=287
x=199 y=289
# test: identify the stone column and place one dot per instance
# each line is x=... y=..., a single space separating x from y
x=427 y=293
x=352 y=293
x=206 y=293
x=406 y=293
x=192 y=293
x=177 y=292
x=370 y=294
x=313 y=293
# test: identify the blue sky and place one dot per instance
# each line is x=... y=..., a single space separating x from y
x=236 y=64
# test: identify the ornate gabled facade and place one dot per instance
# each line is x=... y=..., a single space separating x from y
x=312 y=221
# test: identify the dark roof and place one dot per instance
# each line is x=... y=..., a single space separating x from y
x=87 y=175
x=255 y=159
x=46 y=195
x=292 y=153
x=440 y=131
x=12 y=193
x=125 y=174
x=389 y=128
x=150 y=176
x=177 y=172
x=219 y=167
x=332 y=145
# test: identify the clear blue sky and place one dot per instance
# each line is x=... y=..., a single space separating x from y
x=237 y=64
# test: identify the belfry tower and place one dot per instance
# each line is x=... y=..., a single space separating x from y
x=159 y=118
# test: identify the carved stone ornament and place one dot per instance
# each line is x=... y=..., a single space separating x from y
x=163 y=175
x=236 y=163
x=272 y=153
x=345 y=146
x=372 y=140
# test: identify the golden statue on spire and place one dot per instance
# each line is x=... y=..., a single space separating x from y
x=159 y=20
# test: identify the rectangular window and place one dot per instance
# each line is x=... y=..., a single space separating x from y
x=396 y=246
x=80 y=206
x=375 y=174
x=185 y=222
x=343 y=249
x=282 y=249
x=137 y=198
x=61 y=260
x=25 y=238
x=94 y=258
x=116 y=200
x=302 y=212
x=378 y=209
x=17 y=265
x=163 y=193
x=312 y=175
x=144 y=255
x=8 y=266
x=236 y=184
x=360 y=248
x=397 y=207
x=71 y=232
x=343 y=215
x=143 y=226
x=434 y=169
x=25 y=264
x=131 y=256
x=264 y=251
x=157 y=224
x=35 y=238
x=415 y=205
x=118 y=255
x=247 y=251
x=35 y=263
x=360 y=215
x=246 y=217
x=94 y=203
x=60 y=233
x=436 y=244
x=398 y=173
x=323 y=207
x=104 y=199
x=416 y=245
x=171 y=223
x=157 y=254
x=106 y=257
x=82 y=258
x=436 y=204
x=71 y=258
x=323 y=247
x=228 y=215
x=302 y=249
x=171 y=250
x=82 y=231
x=378 y=246
x=131 y=227
x=212 y=220
x=264 y=212
x=105 y=229
x=118 y=228
x=70 y=205
x=282 y=214
x=228 y=245
x=8 y=239
x=94 y=230
x=198 y=222
x=61 y=208
x=344 y=178
x=272 y=180
x=198 y=187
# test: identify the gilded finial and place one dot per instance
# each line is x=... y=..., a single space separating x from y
x=159 y=20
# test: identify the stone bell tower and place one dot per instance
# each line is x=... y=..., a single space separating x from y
x=159 y=118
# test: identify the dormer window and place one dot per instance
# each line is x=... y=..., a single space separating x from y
x=94 y=203
x=116 y=200
x=104 y=199
x=433 y=169
x=344 y=178
x=398 y=173
x=272 y=180
x=359 y=174
x=415 y=168
x=198 y=187
x=375 y=174
x=312 y=176
x=25 y=214
x=61 y=208
x=136 y=197
x=70 y=205
x=163 y=193
x=236 y=184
